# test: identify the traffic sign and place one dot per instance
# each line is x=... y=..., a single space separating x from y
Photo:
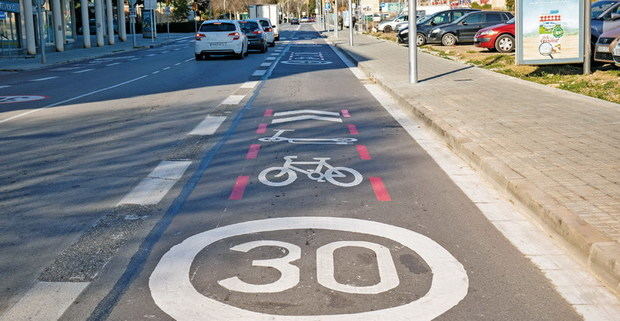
x=174 y=293
x=150 y=4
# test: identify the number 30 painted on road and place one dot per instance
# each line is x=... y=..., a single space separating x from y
x=173 y=291
x=289 y=274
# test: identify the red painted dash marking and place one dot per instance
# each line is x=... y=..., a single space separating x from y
x=252 y=151
x=379 y=188
x=268 y=113
x=352 y=129
x=262 y=128
x=239 y=188
x=345 y=113
x=363 y=152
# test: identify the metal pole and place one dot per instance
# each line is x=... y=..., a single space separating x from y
x=153 y=25
x=587 y=42
x=41 y=35
x=336 y=26
x=351 y=23
x=413 y=44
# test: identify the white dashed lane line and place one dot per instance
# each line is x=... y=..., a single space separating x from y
x=155 y=72
x=270 y=58
x=157 y=184
x=150 y=55
x=166 y=68
x=4 y=86
x=233 y=100
x=45 y=78
x=83 y=70
x=113 y=64
x=265 y=64
x=208 y=126
x=249 y=84
x=259 y=73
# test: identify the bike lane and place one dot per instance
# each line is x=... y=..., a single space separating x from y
x=371 y=230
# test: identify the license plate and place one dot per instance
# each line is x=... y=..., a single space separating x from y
x=602 y=48
x=217 y=44
x=617 y=51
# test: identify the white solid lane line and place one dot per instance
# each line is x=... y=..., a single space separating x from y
x=4 y=86
x=249 y=84
x=208 y=126
x=113 y=64
x=259 y=73
x=46 y=301
x=83 y=70
x=157 y=184
x=233 y=100
x=265 y=64
x=45 y=78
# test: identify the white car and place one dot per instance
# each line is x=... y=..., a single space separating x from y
x=220 y=37
x=390 y=25
x=269 y=29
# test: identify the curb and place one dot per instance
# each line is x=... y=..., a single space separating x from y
x=101 y=55
x=601 y=253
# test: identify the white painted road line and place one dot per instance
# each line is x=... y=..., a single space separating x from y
x=271 y=58
x=306 y=111
x=178 y=63
x=259 y=73
x=46 y=301
x=45 y=78
x=305 y=117
x=265 y=64
x=73 y=98
x=249 y=84
x=4 y=86
x=155 y=72
x=134 y=59
x=275 y=54
x=233 y=100
x=208 y=126
x=83 y=70
x=157 y=184
x=113 y=64
x=150 y=55
x=166 y=68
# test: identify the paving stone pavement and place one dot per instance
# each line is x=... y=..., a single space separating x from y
x=78 y=54
x=557 y=152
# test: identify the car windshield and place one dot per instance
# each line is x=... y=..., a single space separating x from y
x=511 y=21
x=217 y=27
x=600 y=6
x=249 y=26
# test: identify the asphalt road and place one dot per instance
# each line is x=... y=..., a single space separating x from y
x=371 y=230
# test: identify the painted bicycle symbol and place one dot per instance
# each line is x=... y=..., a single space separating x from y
x=286 y=174
x=277 y=137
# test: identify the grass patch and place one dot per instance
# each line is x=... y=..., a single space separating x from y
x=603 y=83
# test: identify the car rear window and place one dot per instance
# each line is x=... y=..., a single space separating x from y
x=265 y=23
x=249 y=26
x=217 y=27
x=495 y=17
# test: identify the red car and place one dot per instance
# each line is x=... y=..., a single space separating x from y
x=498 y=37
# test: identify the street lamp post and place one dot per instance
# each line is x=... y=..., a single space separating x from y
x=413 y=45
x=350 y=23
x=40 y=4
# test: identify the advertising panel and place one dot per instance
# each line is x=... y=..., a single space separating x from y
x=550 y=32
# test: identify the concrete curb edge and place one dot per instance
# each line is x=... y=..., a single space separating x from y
x=600 y=252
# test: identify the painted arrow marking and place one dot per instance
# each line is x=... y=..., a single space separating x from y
x=306 y=111
x=306 y=117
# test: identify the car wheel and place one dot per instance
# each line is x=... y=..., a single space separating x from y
x=265 y=48
x=448 y=39
x=199 y=56
x=387 y=29
x=273 y=44
x=505 y=43
x=420 y=39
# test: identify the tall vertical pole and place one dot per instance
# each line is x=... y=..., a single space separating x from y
x=59 y=37
x=153 y=25
x=41 y=34
x=336 y=26
x=413 y=44
x=350 y=23
x=587 y=45
x=120 y=8
x=110 y=21
x=31 y=46
x=99 y=22
x=85 y=23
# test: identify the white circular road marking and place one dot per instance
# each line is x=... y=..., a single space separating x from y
x=174 y=293
x=20 y=99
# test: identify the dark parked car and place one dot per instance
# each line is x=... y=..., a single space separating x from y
x=430 y=22
x=256 y=35
x=499 y=37
x=294 y=21
x=465 y=28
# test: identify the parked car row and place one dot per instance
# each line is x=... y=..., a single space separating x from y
x=495 y=30
x=233 y=37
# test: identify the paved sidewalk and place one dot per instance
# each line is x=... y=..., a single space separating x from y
x=555 y=151
x=78 y=54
